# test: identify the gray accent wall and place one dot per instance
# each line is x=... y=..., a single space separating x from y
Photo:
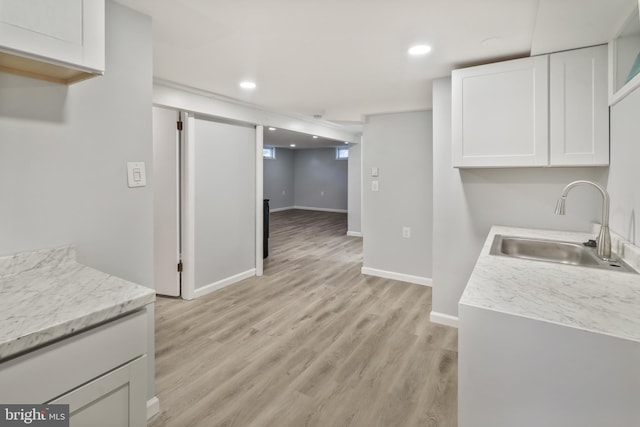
x=224 y=201
x=467 y=202
x=354 y=202
x=63 y=160
x=311 y=178
x=399 y=145
x=278 y=179
x=320 y=179
x=624 y=173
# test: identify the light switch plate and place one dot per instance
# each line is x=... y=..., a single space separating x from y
x=136 y=174
x=374 y=171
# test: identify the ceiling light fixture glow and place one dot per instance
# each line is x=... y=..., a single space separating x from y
x=315 y=136
x=292 y=145
x=272 y=128
x=247 y=85
x=346 y=142
x=421 y=49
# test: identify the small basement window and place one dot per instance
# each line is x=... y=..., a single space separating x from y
x=269 y=152
x=342 y=153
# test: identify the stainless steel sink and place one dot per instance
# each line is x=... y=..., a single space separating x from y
x=554 y=251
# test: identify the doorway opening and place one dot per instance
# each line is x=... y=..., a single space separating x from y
x=306 y=183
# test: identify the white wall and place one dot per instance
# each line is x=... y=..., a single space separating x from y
x=624 y=173
x=320 y=180
x=63 y=155
x=467 y=202
x=224 y=201
x=399 y=145
x=278 y=178
x=354 y=202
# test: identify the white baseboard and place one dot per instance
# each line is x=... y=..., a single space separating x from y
x=443 y=319
x=287 y=208
x=418 y=280
x=153 y=407
x=207 y=289
x=309 y=208
x=354 y=233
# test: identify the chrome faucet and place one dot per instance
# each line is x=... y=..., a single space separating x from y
x=603 y=241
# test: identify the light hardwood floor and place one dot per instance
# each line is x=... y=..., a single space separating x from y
x=311 y=343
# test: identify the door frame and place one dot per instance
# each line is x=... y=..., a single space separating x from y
x=165 y=257
x=188 y=204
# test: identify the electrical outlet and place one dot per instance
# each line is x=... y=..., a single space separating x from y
x=374 y=185
x=406 y=232
x=283 y=192
x=322 y=193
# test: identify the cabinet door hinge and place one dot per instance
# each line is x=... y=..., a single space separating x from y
x=179 y=123
x=180 y=267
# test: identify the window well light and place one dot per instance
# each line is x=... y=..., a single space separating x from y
x=247 y=85
x=421 y=49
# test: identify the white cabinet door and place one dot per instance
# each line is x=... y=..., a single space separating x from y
x=579 y=111
x=500 y=114
x=522 y=372
x=116 y=399
x=64 y=32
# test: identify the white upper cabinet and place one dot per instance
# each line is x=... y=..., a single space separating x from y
x=59 y=40
x=548 y=110
x=500 y=114
x=578 y=108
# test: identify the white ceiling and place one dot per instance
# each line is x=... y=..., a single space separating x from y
x=343 y=59
x=284 y=138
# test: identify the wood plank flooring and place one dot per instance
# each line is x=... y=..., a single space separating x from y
x=311 y=343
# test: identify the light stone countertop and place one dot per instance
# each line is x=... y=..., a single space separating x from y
x=46 y=295
x=590 y=299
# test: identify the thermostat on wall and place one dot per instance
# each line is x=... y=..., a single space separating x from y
x=136 y=175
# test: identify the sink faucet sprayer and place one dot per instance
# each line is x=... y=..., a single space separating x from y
x=603 y=241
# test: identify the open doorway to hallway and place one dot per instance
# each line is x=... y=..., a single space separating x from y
x=306 y=182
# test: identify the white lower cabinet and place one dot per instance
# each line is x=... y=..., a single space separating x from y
x=547 y=110
x=116 y=399
x=517 y=371
x=101 y=373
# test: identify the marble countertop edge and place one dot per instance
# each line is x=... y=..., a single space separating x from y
x=47 y=296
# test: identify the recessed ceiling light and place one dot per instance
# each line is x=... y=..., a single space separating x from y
x=346 y=142
x=272 y=128
x=292 y=145
x=420 y=49
x=247 y=85
x=315 y=136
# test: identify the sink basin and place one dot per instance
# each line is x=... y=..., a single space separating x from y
x=569 y=253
